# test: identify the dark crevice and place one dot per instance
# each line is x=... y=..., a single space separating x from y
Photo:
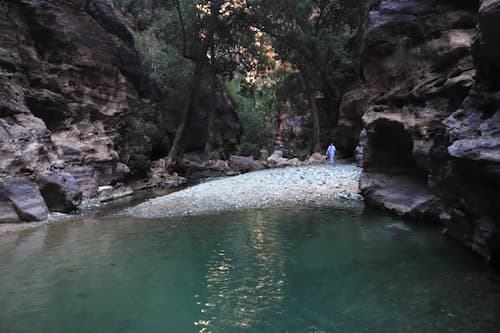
x=390 y=149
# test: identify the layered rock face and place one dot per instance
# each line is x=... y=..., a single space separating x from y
x=429 y=141
x=67 y=81
x=466 y=156
x=71 y=84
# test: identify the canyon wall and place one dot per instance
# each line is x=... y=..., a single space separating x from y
x=74 y=106
x=427 y=116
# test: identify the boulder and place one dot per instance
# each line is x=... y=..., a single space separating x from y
x=25 y=198
x=316 y=158
x=60 y=191
x=276 y=159
x=243 y=163
x=7 y=211
x=401 y=194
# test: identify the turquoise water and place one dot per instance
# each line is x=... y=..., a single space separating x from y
x=280 y=270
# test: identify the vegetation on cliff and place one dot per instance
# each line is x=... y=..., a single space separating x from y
x=192 y=46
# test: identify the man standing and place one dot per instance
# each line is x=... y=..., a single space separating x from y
x=330 y=152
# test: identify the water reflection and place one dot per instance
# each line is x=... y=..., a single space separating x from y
x=243 y=283
x=295 y=270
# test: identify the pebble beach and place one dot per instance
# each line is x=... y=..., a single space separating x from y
x=319 y=185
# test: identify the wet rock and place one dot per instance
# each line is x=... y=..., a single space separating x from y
x=25 y=197
x=60 y=191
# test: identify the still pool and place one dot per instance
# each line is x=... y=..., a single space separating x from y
x=277 y=270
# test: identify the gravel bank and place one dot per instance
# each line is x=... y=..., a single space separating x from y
x=321 y=185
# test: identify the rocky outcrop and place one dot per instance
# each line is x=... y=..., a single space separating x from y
x=430 y=139
x=67 y=83
x=77 y=110
x=418 y=68
x=21 y=195
x=350 y=125
x=466 y=156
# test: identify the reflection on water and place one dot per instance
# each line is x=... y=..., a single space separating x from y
x=280 y=270
x=248 y=286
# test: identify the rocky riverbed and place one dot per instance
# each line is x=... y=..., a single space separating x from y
x=305 y=185
x=320 y=184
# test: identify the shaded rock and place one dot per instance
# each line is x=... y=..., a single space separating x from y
x=417 y=62
x=316 y=158
x=466 y=154
x=264 y=155
x=403 y=195
x=243 y=163
x=354 y=105
x=7 y=211
x=25 y=198
x=60 y=191
x=69 y=90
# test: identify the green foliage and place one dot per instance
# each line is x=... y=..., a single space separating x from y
x=227 y=39
x=167 y=67
x=313 y=36
x=133 y=136
x=258 y=108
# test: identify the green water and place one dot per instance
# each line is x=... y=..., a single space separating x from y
x=280 y=270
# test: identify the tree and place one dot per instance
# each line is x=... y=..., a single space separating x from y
x=312 y=36
x=213 y=36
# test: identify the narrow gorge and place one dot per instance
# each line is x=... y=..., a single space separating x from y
x=249 y=166
x=422 y=120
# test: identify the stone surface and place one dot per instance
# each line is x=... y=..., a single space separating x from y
x=418 y=69
x=67 y=88
x=24 y=196
x=244 y=163
x=354 y=105
x=319 y=185
x=72 y=98
x=60 y=191
x=466 y=157
x=401 y=194
x=431 y=125
x=7 y=211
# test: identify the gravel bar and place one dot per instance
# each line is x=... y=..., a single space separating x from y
x=318 y=185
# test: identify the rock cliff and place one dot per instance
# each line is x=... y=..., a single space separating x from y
x=429 y=140
x=71 y=88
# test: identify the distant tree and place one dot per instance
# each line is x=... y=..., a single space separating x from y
x=313 y=36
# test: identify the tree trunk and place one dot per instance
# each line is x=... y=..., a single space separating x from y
x=174 y=158
x=211 y=115
x=316 y=144
x=311 y=99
